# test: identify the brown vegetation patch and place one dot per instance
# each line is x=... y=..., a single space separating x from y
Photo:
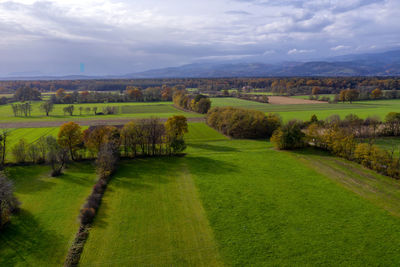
x=286 y=100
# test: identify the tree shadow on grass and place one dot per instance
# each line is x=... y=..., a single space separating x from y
x=312 y=151
x=205 y=166
x=24 y=240
x=30 y=179
x=215 y=148
x=85 y=178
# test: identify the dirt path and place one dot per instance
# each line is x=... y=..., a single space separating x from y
x=285 y=100
x=38 y=124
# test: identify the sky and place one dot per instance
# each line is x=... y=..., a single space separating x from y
x=109 y=37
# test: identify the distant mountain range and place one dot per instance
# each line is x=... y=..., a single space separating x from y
x=378 y=64
x=374 y=64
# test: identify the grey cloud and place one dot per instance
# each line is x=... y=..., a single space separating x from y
x=119 y=37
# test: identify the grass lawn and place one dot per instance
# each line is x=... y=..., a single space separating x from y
x=43 y=231
x=304 y=111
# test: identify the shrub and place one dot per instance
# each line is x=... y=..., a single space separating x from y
x=289 y=136
x=8 y=203
x=87 y=215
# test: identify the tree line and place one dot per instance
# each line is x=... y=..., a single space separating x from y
x=243 y=123
x=352 y=138
x=106 y=144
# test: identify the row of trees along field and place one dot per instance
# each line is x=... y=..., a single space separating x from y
x=25 y=109
x=198 y=103
x=146 y=137
x=352 y=138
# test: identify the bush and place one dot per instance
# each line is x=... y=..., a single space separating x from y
x=289 y=136
x=8 y=203
x=87 y=215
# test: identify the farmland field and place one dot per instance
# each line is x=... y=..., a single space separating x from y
x=42 y=233
x=257 y=213
x=127 y=110
x=304 y=111
x=227 y=202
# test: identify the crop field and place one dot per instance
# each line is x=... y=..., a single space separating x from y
x=304 y=111
x=225 y=203
x=43 y=231
x=127 y=110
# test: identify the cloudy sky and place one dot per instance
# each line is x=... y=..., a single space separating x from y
x=118 y=37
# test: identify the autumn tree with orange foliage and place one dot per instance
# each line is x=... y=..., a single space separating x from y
x=70 y=137
x=95 y=137
x=377 y=93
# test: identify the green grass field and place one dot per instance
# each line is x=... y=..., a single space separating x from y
x=264 y=207
x=304 y=111
x=227 y=202
x=43 y=231
x=331 y=96
x=127 y=110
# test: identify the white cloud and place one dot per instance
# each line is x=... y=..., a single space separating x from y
x=299 y=51
x=340 y=47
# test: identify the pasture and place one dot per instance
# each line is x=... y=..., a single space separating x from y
x=43 y=231
x=126 y=110
x=302 y=214
x=304 y=112
x=227 y=202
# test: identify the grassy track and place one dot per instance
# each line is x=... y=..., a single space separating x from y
x=381 y=190
x=151 y=216
x=41 y=234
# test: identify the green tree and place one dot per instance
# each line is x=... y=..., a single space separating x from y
x=289 y=136
x=47 y=107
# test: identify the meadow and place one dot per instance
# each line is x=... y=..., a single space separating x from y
x=43 y=231
x=226 y=202
x=126 y=110
x=304 y=112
